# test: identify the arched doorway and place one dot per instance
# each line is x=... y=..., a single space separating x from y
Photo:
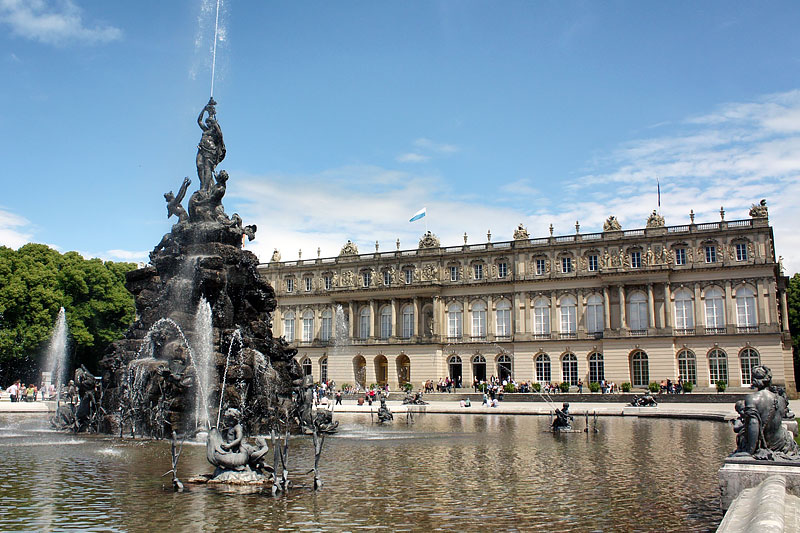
x=403 y=369
x=504 y=367
x=307 y=367
x=479 y=367
x=381 y=370
x=360 y=371
x=454 y=364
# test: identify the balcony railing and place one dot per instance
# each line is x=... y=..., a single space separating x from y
x=595 y=334
x=747 y=329
x=541 y=336
x=478 y=338
x=454 y=339
x=715 y=331
x=684 y=331
x=638 y=333
x=502 y=337
x=567 y=335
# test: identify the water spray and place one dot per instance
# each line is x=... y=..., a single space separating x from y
x=214 y=53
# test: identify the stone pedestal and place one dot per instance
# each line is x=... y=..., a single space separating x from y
x=765 y=508
x=738 y=474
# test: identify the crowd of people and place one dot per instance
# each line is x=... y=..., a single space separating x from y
x=18 y=392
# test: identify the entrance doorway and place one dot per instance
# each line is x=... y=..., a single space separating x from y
x=479 y=367
x=455 y=369
x=381 y=370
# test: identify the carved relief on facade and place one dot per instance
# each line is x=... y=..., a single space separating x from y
x=607 y=259
x=521 y=233
x=547 y=266
x=612 y=224
x=349 y=248
x=583 y=263
x=430 y=272
x=649 y=257
x=429 y=240
x=655 y=220
x=375 y=279
x=348 y=278
x=750 y=250
x=759 y=210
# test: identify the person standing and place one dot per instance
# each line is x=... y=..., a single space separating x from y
x=12 y=391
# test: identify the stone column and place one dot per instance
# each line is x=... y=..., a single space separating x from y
x=651 y=307
x=395 y=317
x=667 y=306
x=555 y=324
x=606 y=308
x=418 y=319
x=623 y=321
x=437 y=321
x=580 y=326
x=784 y=312
x=524 y=320
x=466 y=326
x=490 y=327
x=351 y=328
x=761 y=302
x=514 y=319
x=298 y=324
x=373 y=318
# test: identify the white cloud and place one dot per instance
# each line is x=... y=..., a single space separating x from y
x=441 y=148
x=14 y=230
x=53 y=22
x=412 y=158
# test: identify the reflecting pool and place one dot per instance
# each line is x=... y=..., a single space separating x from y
x=441 y=472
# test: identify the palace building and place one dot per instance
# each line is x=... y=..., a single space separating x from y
x=704 y=302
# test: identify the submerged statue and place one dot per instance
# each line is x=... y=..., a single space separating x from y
x=384 y=414
x=233 y=457
x=414 y=399
x=645 y=400
x=79 y=413
x=563 y=420
x=760 y=430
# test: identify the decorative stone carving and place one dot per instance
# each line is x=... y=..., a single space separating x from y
x=349 y=248
x=521 y=233
x=606 y=259
x=612 y=224
x=276 y=256
x=655 y=220
x=348 y=278
x=397 y=276
x=429 y=240
x=759 y=210
x=335 y=280
x=547 y=266
x=430 y=273
x=650 y=257
x=583 y=263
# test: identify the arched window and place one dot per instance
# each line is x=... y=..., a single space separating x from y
x=541 y=316
x=455 y=367
x=717 y=366
x=479 y=320
x=479 y=367
x=749 y=359
x=640 y=369
x=715 y=311
x=503 y=322
x=288 y=326
x=326 y=330
x=454 y=321
x=307 y=368
x=363 y=325
x=745 y=308
x=543 y=374
x=504 y=367
x=408 y=321
x=594 y=314
x=386 y=322
x=569 y=314
x=569 y=368
x=637 y=311
x=684 y=310
x=308 y=326
x=687 y=366
x=596 y=368
x=323 y=369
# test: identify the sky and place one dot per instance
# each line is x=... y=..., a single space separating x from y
x=342 y=119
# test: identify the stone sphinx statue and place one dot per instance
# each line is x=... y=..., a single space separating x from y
x=760 y=430
x=645 y=400
x=563 y=420
x=233 y=457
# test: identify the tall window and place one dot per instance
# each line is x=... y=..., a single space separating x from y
x=502 y=270
x=745 y=307
x=687 y=366
x=717 y=366
x=290 y=285
x=454 y=321
x=288 y=326
x=640 y=369
x=596 y=368
x=711 y=254
x=479 y=320
x=454 y=273
x=637 y=311
x=326 y=329
x=477 y=271
x=715 y=310
x=387 y=277
x=741 y=251
x=684 y=311
x=540 y=266
x=328 y=283
x=503 y=322
x=593 y=263
x=386 y=322
x=749 y=359
x=566 y=265
x=323 y=369
x=408 y=321
x=569 y=313
x=594 y=314
x=308 y=326
x=569 y=368
x=308 y=284
x=363 y=325
x=366 y=279
x=680 y=256
x=543 y=368
x=504 y=367
x=409 y=276
x=307 y=367
x=636 y=259
x=541 y=316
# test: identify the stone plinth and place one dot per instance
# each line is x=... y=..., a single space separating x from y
x=765 y=508
x=738 y=474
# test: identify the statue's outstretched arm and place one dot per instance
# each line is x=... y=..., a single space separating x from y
x=200 y=119
x=182 y=191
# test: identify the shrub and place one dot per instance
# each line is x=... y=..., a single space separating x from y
x=688 y=386
x=344 y=386
x=626 y=387
x=408 y=387
x=564 y=386
x=536 y=387
x=509 y=387
x=373 y=385
x=721 y=386
x=482 y=387
x=654 y=387
x=594 y=386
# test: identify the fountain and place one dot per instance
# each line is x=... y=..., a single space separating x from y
x=56 y=361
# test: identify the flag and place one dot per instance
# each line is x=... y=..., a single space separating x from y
x=658 y=185
x=418 y=215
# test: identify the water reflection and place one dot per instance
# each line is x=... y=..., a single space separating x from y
x=439 y=472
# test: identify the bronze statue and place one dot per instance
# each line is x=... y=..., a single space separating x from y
x=384 y=414
x=211 y=149
x=227 y=450
x=760 y=431
x=645 y=400
x=174 y=206
x=563 y=420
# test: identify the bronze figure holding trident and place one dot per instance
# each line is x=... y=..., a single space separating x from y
x=211 y=149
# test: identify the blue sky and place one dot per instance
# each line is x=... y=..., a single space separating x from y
x=342 y=119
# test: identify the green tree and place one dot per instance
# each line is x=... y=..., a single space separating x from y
x=35 y=281
x=793 y=300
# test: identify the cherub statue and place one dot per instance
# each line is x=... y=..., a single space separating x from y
x=174 y=206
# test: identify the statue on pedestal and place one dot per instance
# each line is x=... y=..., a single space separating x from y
x=563 y=420
x=233 y=457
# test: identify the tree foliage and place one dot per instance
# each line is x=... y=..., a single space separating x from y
x=793 y=300
x=35 y=281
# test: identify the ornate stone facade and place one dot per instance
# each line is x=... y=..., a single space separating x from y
x=612 y=224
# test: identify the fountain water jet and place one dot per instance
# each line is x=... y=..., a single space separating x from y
x=204 y=360
x=57 y=353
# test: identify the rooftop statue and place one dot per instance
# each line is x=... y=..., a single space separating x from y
x=759 y=210
x=760 y=431
x=276 y=256
x=349 y=248
x=655 y=220
x=612 y=224
x=429 y=240
x=521 y=233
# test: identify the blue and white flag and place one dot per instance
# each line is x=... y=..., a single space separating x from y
x=418 y=215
